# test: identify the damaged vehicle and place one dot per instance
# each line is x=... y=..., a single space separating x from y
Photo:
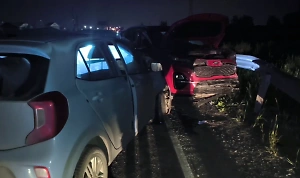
x=199 y=67
x=70 y=103
x=193 y=63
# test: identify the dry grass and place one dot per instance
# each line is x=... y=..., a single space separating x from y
x=279 y=121
x=226 y=137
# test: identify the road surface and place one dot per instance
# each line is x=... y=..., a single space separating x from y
x=220 y=147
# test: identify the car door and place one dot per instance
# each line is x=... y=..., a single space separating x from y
x=108 y=94
x=138 y=37
x=143 y=43
x=151 y=49
x=142 y=85
x=130 y=34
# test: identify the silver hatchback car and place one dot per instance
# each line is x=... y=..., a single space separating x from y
x=69 y=103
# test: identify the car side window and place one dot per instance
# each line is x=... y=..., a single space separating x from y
x=145 y=40
x=92 y=64
x=146 y=61
x=132 y=64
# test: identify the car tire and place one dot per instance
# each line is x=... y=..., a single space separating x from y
x=160 y=109
x=92 y=159
x=163 y=105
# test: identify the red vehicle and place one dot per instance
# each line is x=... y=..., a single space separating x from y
x=188 y=50
x=199 y=67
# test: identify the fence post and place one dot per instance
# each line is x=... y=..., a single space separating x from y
x=263 y=88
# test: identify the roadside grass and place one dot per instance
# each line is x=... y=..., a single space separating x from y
x=278 y=123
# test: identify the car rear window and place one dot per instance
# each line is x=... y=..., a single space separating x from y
x=22 y=76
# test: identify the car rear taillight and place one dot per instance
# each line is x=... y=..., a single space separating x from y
x=41 y=172
x=51 y=112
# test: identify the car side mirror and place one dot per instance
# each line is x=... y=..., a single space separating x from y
x=156 y=67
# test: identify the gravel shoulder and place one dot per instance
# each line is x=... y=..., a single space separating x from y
x=219 y=148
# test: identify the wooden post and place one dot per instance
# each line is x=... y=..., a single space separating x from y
x=263 y=88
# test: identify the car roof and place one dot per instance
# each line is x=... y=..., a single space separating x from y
x=125 y=41
x=151 y=27
x=46 y=35
x=39 y=41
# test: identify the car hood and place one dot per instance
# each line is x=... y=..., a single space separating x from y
x=186 y=58
x=208 y=28
x=182 y=49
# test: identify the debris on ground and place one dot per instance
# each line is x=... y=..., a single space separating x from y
x=213 y=144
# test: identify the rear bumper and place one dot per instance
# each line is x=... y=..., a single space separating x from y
x=20 y=162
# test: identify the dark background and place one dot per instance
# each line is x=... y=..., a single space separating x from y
x=124 y=12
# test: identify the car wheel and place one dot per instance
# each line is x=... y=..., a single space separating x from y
x=92 y=164
x=161 y=109
x=162 y=106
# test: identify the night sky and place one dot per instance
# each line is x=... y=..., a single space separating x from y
x=134 y=12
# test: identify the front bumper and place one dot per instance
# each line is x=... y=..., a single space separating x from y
x=208 y=89
x=215 y=87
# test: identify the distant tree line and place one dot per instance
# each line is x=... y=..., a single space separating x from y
x=242 y=28
x=289 y=20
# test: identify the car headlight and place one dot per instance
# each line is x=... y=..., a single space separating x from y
x=179 y=77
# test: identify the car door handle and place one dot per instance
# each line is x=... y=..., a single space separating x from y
x=97 y=97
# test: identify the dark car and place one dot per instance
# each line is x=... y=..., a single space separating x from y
x=193 y=63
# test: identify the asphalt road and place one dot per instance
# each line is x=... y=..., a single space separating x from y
x=181 y=148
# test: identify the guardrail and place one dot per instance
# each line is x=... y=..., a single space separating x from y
x=270 y=75
x=281 y=80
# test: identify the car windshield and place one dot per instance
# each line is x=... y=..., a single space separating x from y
x=196 y=29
